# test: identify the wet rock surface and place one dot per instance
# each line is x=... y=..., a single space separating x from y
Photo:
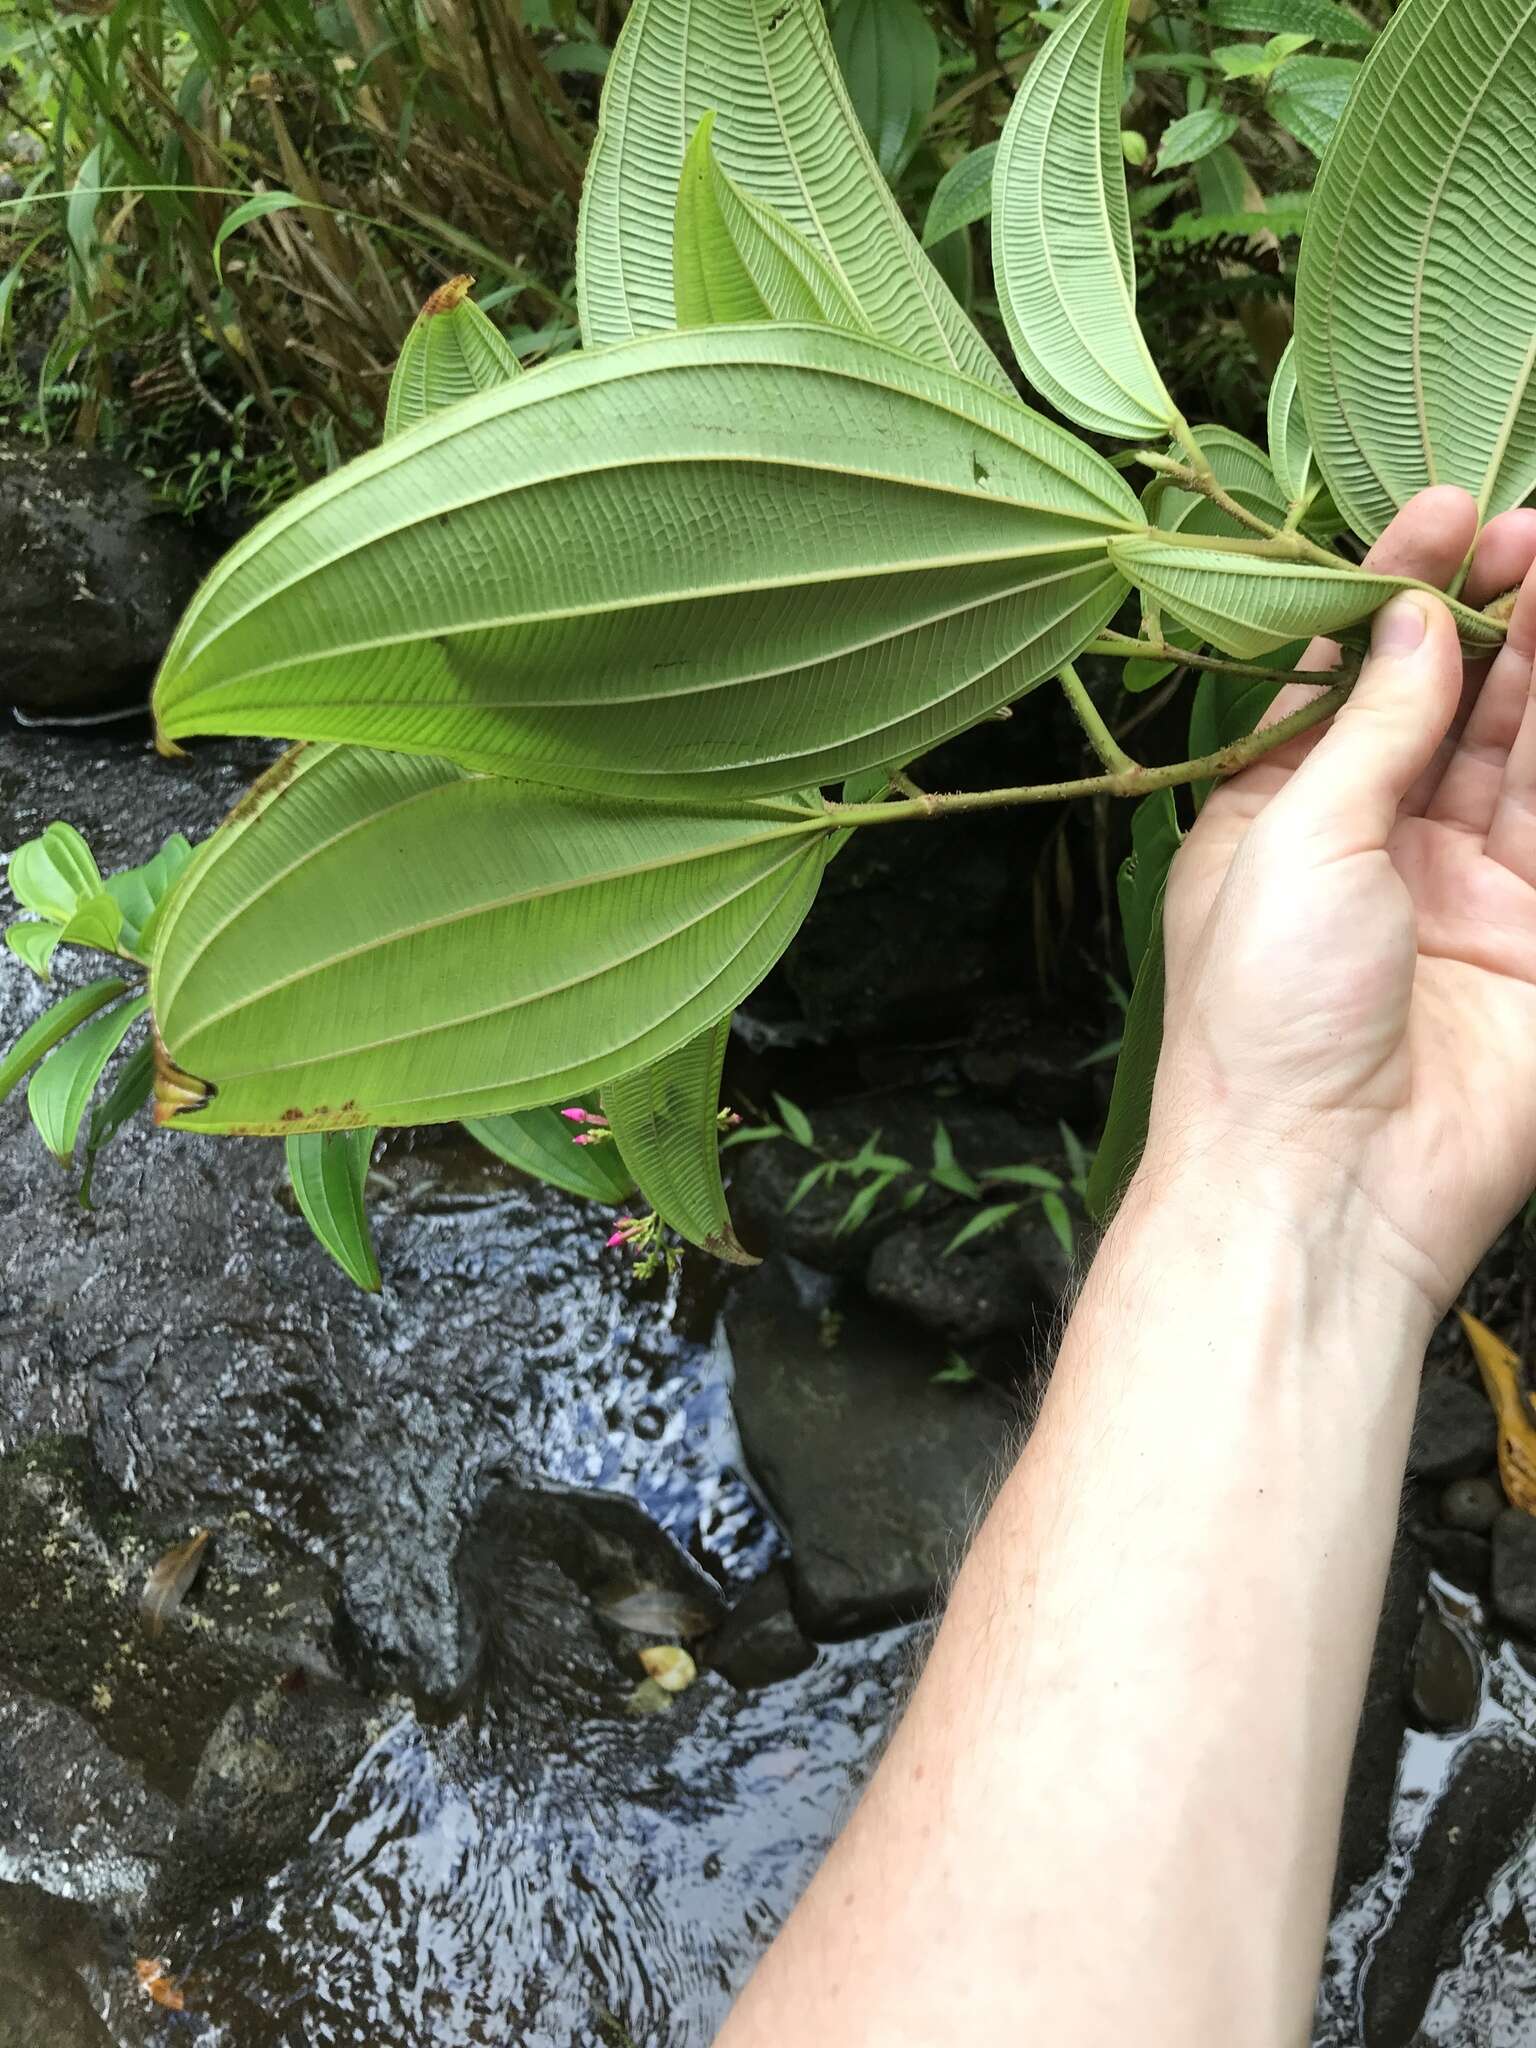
x=1454 y=1434
x=97 y=575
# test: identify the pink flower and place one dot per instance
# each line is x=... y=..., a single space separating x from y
x=618 y=1237
x=580 y=1116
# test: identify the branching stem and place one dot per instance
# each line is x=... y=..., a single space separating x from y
x=1100 y=738
x=1123 y=647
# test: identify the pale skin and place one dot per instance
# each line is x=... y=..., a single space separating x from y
x=1110 y=1812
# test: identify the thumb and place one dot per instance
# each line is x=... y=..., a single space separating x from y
x=1349 y=788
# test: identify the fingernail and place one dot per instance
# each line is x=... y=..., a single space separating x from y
x=1399 y=626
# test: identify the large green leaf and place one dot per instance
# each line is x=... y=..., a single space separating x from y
x=1416 y=297
x=741 y=559
x=735 y=258
x=61 y=1088
x=374 y=939
x=1249 y=604
x=890 y=61
x=451 y=352
x=788 y=134
x=1061 y=234
x=665 y=1118
x=543 y=1142
x=329 y=1174
x=56 y=1023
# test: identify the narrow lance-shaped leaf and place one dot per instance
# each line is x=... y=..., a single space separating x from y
x=56 y=1023
x=61 y=1088
x=329 y=1174
x=962 y=195
x=833 y=557
x=451 y=352
x=788 y=134
x=1290 y=445
x=1061 y=234
x=542 y=1142
x=372 y=939
x=665 y=1118
x=129 y=1092
x=1248 y=604
x=889 y=56
x=1416 y=295
x=734 y=258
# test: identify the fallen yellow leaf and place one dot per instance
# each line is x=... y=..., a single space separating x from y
x=1499 y=1369
x=670 y=1665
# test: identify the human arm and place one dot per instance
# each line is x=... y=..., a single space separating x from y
x=1110 y=1812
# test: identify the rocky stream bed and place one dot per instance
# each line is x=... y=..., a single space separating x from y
x=380 y=1781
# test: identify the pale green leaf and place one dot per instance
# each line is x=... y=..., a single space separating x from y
x=542 y=1142
x=376 y=939
x=796 y=1122
x=56 y=1023
x=1248 y=604
x=981 y=1224
x=1290 y=445
x=889 y=56
x=95 y=921
x=1244 y=473
x=34 y=944
x=139 y=892
x=1061 y=234
x=451 y=352
x=788 y=134
x=1416 y=297
x=124 y=1099
x=833 y=556
x=1025 y=1176
x=666 y=1120
x=1308 y=96
x=329 y=1173
x=254 y=208
x=962 y=195
x=1194 y=136
x=54 y=873
x=1323 y=21
x=61 y=1088
x=735 y=258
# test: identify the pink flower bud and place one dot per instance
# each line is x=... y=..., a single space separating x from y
x=576 y=1116
x=618 y=1237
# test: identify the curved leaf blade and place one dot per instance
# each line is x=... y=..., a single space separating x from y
x=889 y=56
x=54 y=873
x=962 y=196
x=56 y=1023
x=788 y=134
x=735 y=258
x=1424 y=198
x=1061 y=234
x=34 y=944
x=1248 y=605
x=374 y=939
x=139 y=892
x=541 y=1142
x=834 y=556
x=451 y=352
x=123 y=1100
x=61 y=1088
x=328 y=1171
x=1244 y=473
x=665 y=1118
x=1290 y=445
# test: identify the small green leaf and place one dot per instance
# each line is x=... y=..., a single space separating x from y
x=796 y=1122
x=124 y=1099
x=1308 y=96
x=45 y=1032
x=1025 y=1176
x=889 y=56
x=666 y=1120
x=95 y=921
x=254 y=208
x=962 y=195
x=1322 y=21
x=329 y=1172
x=451 y=352
x=62 y=1086
x=54 y=873
x=543 y=1142
x=33 y=943
x=1193 y=136
x=859 y=1209
x=1060 y=1220
x=139 y=892
x=983 y=1222
x=818 y=1174
x=957 y=1372
x=957 y=1180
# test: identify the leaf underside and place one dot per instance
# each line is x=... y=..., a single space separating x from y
x=451 y=352
x=664 y=1118
x=1416 y=296
x=1290 y=445
x=541 y=1142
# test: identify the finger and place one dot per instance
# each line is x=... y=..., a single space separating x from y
x=1468 y=790
x=1348 y=791
x=1512 y=828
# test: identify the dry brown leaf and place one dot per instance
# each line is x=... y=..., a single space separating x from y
x=155 y=1982
x=171 y=1581
x=1501 y=1377
x=653 y=1611
x=670 y=1665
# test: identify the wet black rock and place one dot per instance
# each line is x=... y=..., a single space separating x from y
x=765 y=1176
x=1459 y=1555
x=876 y=1473
x=1445 y=1675
x=1514 y=1570
x=761 y=1642
x=1007 y=1282
x=45 y=1943
x=1483 y=1811
x=1472 y=1504
x=97 y=575
x=1454 y=1433
x=1040 y=1066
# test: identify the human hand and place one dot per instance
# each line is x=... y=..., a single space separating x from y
x=1350 y=932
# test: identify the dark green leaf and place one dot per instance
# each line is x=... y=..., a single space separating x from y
x=889 y=56
x=124 y=1099
x=1322 y=20
x=329 y=1172
x=962 y=195
x=1130 y=1103
x=543 y=1142
x=666 y=1120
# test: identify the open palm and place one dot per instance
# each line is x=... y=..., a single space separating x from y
x=1351 y=926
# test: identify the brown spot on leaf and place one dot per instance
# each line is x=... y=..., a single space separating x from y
x=177 y=1093
x=265 y=787
x=448 y=297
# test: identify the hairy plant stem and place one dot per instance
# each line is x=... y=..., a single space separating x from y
x=1100 y=738
x=1197 y=475
x=1123 y=647
x=1134 y=781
